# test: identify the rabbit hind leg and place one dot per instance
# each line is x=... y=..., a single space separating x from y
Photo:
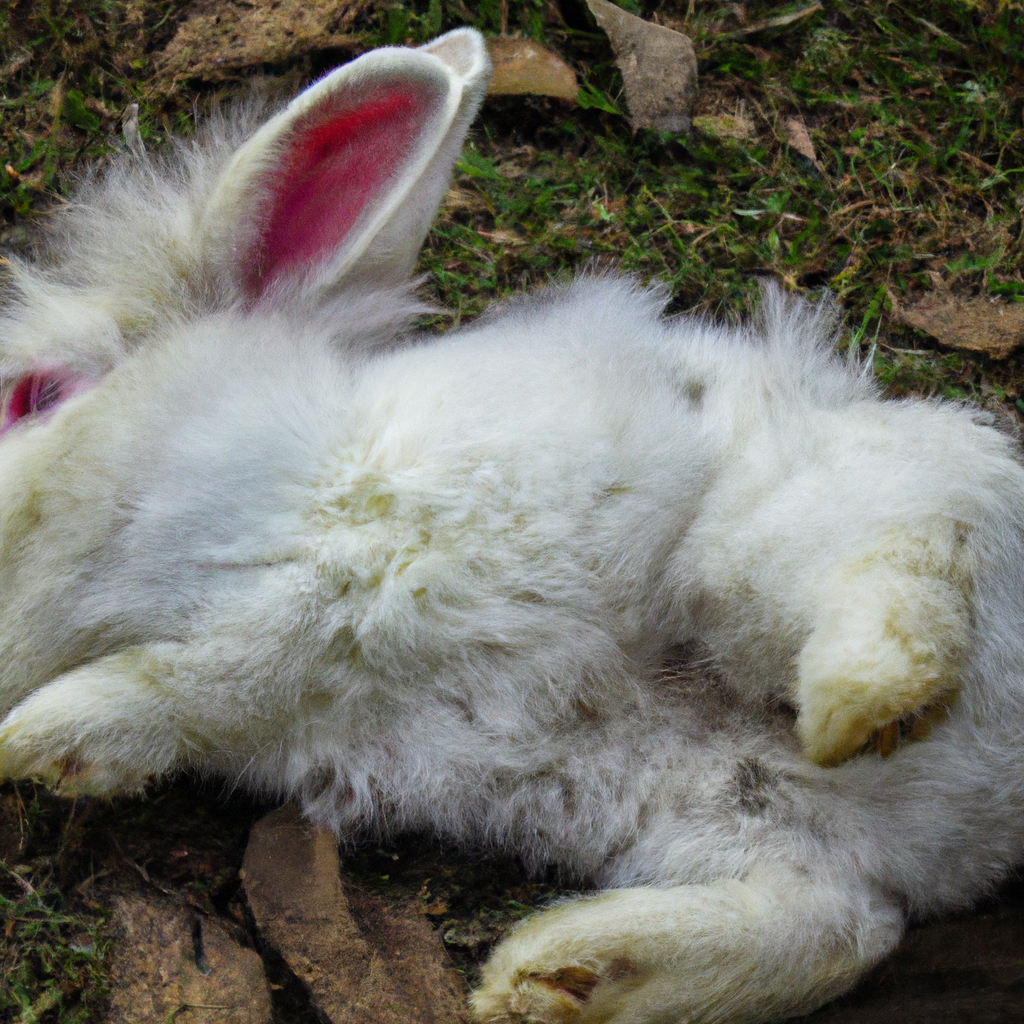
x=888 y=644
x=770 y=945
x=103 y=727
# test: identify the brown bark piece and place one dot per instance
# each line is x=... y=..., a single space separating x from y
x=363 y=961
x=658 y=65
x=996 y=329
x=154 y=976
x=221 y=38
x=524 y=66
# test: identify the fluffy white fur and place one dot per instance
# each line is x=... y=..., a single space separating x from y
x=434 y=583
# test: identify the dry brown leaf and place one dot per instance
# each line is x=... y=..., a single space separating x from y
x=658 y=65
x=389 y=968
x=995 y=329
x=222 y=38
x=503 y=237
x=524 y=66
x=154 y=973
x=799 y=139
x=463 y=200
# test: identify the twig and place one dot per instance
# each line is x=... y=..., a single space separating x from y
x=148 y=880
x=938 y=31
x=779 y=21
x=852 y=207
x=196 y=1006
x=23 y=882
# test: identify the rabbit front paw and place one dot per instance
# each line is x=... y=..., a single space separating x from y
x=102 y=728
x=884 y=659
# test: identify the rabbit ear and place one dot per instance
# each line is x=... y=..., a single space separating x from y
x=344 y=182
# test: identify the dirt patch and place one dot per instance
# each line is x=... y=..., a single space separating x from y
x=168 y=959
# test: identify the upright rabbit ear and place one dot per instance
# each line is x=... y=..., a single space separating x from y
x=344 y=182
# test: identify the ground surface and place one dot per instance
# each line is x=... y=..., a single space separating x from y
x=872 y=150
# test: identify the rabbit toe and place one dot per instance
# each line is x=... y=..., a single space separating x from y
x=570 y=965
x=842 y=715
x=570 y=994
x=555 y=998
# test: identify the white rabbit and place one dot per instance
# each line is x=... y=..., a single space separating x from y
x=249 y=524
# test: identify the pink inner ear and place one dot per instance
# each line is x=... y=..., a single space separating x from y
x=39 y=393
x=339 y=159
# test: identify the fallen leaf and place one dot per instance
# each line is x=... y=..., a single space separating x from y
x=166 y=957
x=363 y=961
x=130 y=130
x=524 y=66
x=222 y=37
x=799 y=139
x=658 y=65
x=995 y=329
x=502 y=237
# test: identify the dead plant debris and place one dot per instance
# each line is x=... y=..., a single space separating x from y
x=988 y=326
x=658 y=65
x=523 y=66
x=799 y=138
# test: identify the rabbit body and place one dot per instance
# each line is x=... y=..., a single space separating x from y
x=434 y=582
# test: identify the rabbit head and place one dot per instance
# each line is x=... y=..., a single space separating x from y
x=294 y=236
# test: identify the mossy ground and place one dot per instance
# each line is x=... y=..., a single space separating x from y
x=916 y=115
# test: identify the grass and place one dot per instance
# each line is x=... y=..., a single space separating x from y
x=53 y=961
x=52 y=946
x=63 y=864
x=914 y=111
x=916 y=115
